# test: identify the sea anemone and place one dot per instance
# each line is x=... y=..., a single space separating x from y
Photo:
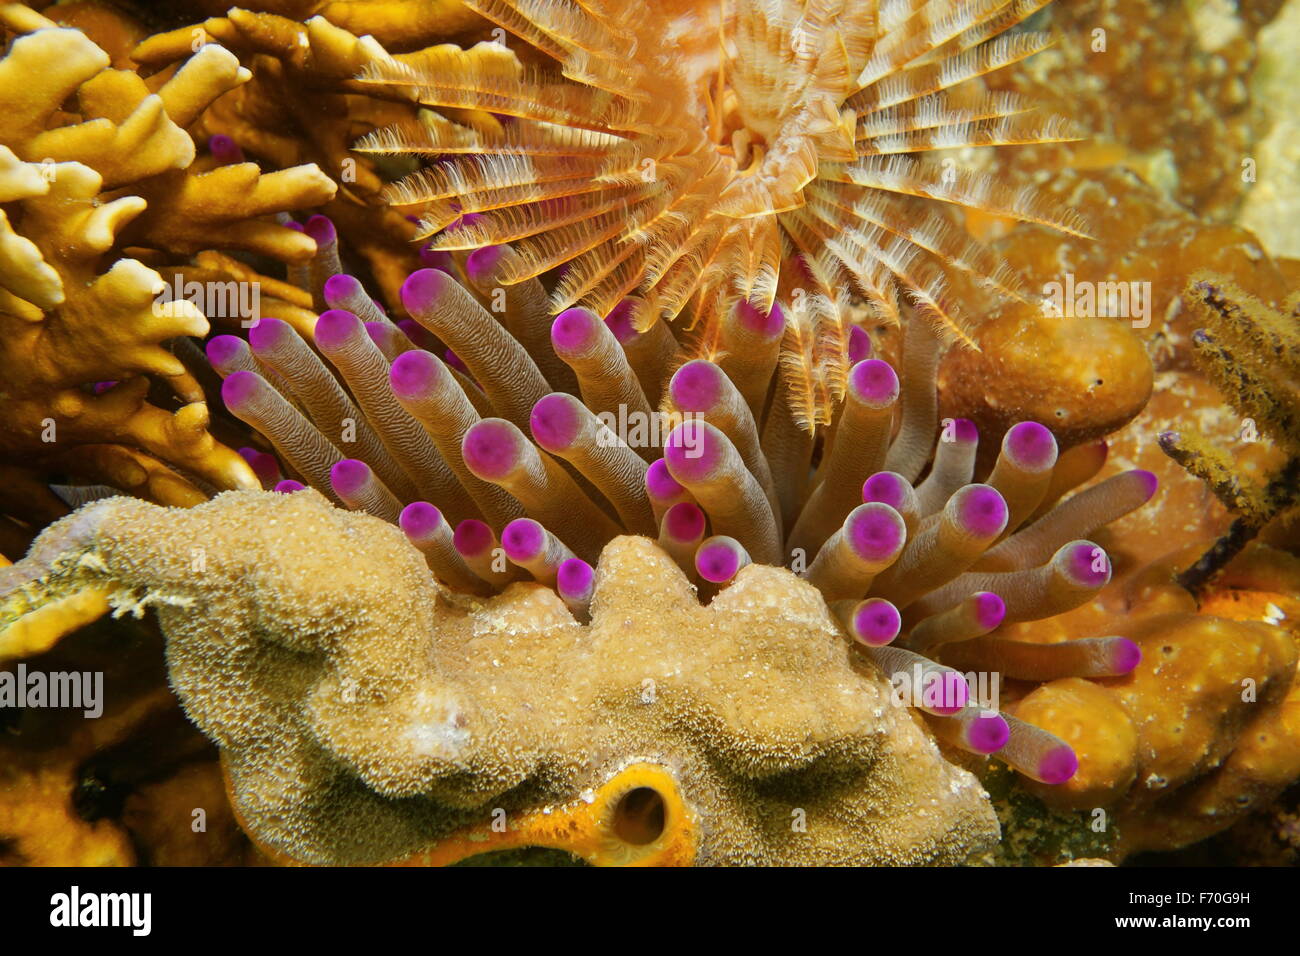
x=494 y=473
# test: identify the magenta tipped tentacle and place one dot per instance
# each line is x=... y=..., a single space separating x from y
x=954 y=464
x=477 y=545
x=859 y=344
x=1037 y=754
x=354 y=482
x=325 y=263
x=663 y=489
x=575 y=582
x=891 y=488
x=874 y=622
x=525 y=309
x=605 y=378
x=920 y=682
x=977 y=615
x=1023 y=470
x=498 y=452
x=680 y=533
x=342 y=291
x=702 y=388
x=870 y=540
x=264 y=465
x=529 y=545
x=719 y=559
x=944 y=548
x=1076 y=517
x=1082 y=657
x=288 y=486
x=566 y=428
x=706 y=463
x=858 y=448
x=750 y=344
x=505 y=370
x=252 y=400
x=974 y=729
x=343 y=340
x=1075 y=574
x=427 y=529
x=428 y=391
x=649 y=352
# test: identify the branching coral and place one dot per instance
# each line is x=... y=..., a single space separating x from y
x=1252 y=352
x=80 y=188
x=739 y=152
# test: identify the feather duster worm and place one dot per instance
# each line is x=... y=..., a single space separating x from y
x=743 y=152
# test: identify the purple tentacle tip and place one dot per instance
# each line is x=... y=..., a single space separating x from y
x=224 y=149
x=990 y=610
x=962 y=432
x=289 y=486
x=684 y=521
x=876 y=532
x=1152 y=482
x=336 y=327
x=264 y=464
x=321 y=228
x=660 y=483
x=413 y=374
x=876 y=622
x=692 y=451
x=717 y=561
x=472 y=537
x=988 y=733
x=268 y=333
x=574 y=578
x=859 y=344
x=222 y=348
x=1058 y=765
x=619 y=321
x=874 y=382
x=491 y=449
x=981 y=511
x=696 y=386
x=766 y=324
x=455 y=361
x=1087 y=564
x=574 y=330
x=240 y=388
x=1126 y=656
x=340 y=288
x=423 y=288
x=523 y=539
x=1031 y=445
x=419 y=519
x=886 y=487
x=480 y=263
x=349 y=476
x=554 y=421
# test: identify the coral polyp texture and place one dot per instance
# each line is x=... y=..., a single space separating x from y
x=658 y=441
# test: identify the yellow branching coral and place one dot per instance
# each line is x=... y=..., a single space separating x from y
x=1252 y=353
x=366 y=714
x=81 y=187
x=739 y=151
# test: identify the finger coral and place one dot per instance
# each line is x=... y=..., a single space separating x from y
x=96 y=161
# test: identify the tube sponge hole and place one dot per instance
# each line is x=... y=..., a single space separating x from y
x=640 y=816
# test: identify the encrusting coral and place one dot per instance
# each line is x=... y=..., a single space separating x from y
x=83 y=335
x=364 y=711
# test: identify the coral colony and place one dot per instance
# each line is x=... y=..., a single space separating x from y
x=559 y=441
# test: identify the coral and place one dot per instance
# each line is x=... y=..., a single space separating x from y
x=83 y=343
x=743 y=152
x=1252 y=352
x=364 y=712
